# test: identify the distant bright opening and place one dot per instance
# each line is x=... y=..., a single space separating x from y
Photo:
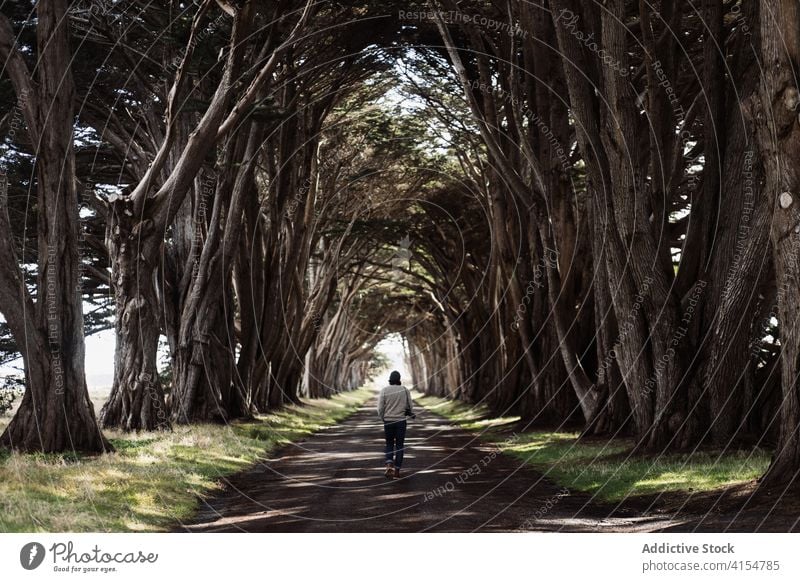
x=392 y=348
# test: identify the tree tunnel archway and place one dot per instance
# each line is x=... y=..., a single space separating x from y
x=275 y=188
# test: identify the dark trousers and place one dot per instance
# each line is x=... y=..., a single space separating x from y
x=395 y=432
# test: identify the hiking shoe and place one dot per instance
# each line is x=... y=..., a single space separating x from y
x=390 y=470
x=396 y=473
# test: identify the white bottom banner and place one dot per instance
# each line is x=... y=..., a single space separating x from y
x=367 y=557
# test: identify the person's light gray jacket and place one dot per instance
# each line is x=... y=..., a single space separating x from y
x=393 y=401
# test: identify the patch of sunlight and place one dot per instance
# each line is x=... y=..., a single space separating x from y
x=526 y=448
x=665 y=479
x=136 y=526
x=494 y=422
x=146 y=458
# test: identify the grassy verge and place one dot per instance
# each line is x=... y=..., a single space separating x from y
x=154 y=479
x=602 y=466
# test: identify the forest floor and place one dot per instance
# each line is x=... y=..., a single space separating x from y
x=454 y=481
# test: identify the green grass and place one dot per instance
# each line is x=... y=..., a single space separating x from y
x=153 y=480
x=601 y=466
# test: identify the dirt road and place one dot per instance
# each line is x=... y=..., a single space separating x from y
x=333 y=482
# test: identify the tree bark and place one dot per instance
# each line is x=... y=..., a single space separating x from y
x=137 y=399
x=776 y=120
x=55 y=414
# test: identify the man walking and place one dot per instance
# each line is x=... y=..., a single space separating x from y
x=394 y=405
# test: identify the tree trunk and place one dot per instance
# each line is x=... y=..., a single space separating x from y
x=137 y=398
x=55 y=414
x=205 y=359
x=776 y=120
x=613 y=411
